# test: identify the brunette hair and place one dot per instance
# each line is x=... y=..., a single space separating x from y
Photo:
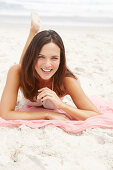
x=29 y=76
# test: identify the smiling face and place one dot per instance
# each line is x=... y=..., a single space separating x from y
x=48 y=61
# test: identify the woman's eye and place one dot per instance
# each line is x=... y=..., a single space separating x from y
x=55 y=58
x=40 y=56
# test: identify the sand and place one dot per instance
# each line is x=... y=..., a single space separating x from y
x=89 y=52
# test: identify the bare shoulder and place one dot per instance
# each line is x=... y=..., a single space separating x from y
x=16 y=69
x=13 y=77
x=10 y=92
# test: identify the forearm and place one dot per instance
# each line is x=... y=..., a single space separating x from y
x=21 y=115
x=78 y=113
x=44 y=115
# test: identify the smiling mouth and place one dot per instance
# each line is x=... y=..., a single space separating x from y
x=46 y=70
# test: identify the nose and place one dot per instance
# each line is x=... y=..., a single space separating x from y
x=48 y=63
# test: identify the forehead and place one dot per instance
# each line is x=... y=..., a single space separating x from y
x=50 y=48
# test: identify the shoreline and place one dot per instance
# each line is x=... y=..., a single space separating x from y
x=68 y=28
x=61 y=20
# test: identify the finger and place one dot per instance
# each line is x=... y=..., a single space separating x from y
x=43 y=94
x=65 y=118
x=45 y=88
x=47 y=92
x=47 y=97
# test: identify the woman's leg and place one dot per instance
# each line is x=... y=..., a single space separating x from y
x=35 y=28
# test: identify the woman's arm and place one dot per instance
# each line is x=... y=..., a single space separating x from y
x=85 y=108
x=9 y=96
x=9 y=99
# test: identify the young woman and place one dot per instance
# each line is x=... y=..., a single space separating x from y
x=43 y=78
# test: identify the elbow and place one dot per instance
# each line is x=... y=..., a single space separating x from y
x=93 y=114
x=89 y=114
x=5 y=115
x=3 y=112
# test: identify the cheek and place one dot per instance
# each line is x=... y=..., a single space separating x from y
x=37 y=64
x=58 y=63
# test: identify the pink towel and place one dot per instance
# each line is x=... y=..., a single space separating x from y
x=104 y=120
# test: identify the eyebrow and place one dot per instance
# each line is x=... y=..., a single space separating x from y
x=51 y=56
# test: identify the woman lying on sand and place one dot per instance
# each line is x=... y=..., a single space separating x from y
x=43 y=78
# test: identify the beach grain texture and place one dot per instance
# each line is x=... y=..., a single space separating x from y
x=89 y=52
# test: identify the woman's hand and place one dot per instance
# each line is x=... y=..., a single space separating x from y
x=46 y=93
x=57 y=116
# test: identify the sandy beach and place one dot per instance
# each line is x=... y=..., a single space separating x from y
x=89 y=52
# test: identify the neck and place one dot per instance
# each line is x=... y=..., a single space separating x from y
x=45 y=83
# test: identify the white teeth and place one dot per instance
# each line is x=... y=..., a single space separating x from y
x=45 y=70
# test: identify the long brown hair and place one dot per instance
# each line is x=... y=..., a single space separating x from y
x=29 y=80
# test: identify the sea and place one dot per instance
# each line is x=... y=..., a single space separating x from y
x=58 y=12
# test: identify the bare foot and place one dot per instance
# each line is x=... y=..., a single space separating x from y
x=36 y=25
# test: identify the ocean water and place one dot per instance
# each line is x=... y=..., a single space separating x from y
x=66 y=12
